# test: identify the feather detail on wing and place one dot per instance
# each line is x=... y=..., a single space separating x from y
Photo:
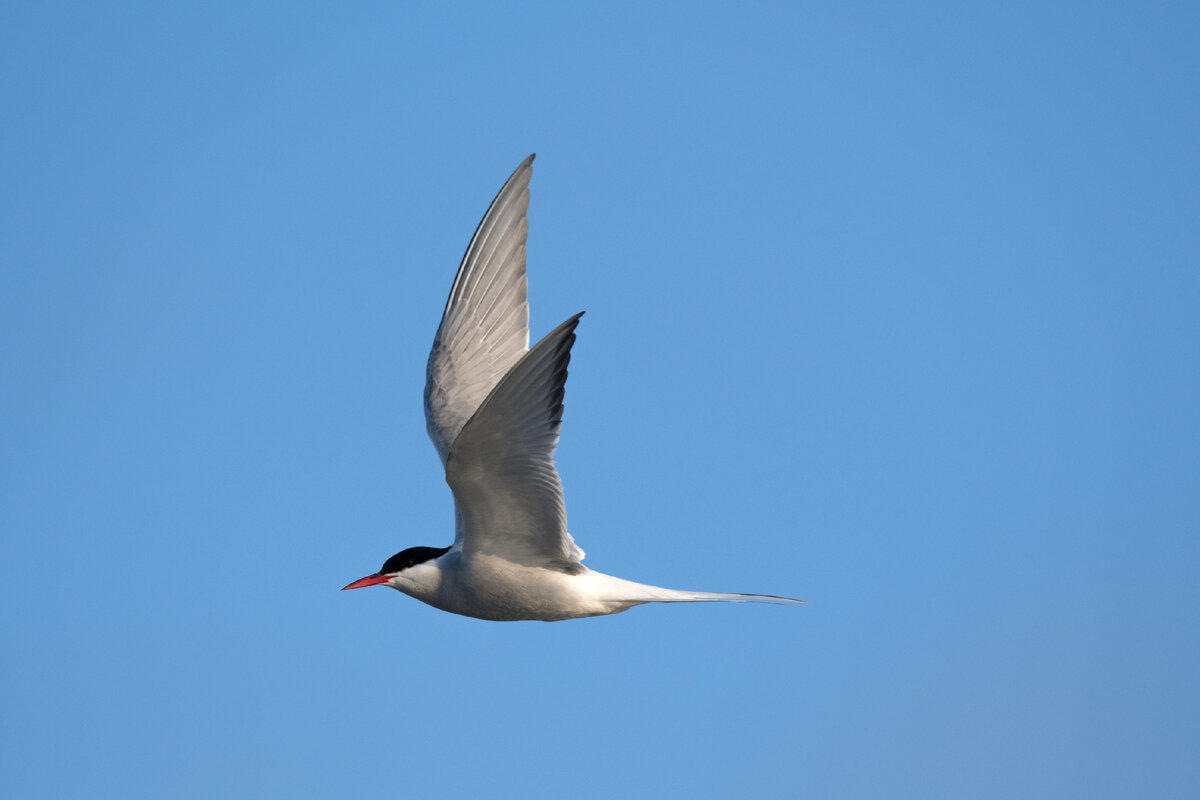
x=485 y=326
x=507 y=491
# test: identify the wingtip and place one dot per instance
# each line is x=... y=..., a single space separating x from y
x=573 y=321
x=564 y=332
x=520 y=175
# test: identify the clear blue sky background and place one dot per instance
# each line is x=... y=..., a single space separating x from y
x=892 y=307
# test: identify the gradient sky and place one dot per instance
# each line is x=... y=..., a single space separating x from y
x=892 y=307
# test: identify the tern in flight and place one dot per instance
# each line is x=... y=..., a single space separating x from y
x=493 y=407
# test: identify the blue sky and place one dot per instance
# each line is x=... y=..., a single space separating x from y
x=892 y=307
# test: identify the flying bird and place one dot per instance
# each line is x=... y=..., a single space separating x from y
x=493 y=407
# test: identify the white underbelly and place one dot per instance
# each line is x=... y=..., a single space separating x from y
x=495 y=589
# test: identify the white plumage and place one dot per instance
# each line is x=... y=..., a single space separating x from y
x=493 y=408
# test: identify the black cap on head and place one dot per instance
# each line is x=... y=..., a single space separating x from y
x=413 y=555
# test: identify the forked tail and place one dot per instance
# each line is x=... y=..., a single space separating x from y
x=683 y=596
x=623 y=591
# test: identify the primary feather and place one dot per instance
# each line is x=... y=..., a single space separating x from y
x=485 y=326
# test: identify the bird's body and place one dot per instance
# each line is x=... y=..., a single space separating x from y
x=493 y=408
x=492 y=587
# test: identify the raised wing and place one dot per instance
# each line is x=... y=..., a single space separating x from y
x=485 y=327
x=507 y=492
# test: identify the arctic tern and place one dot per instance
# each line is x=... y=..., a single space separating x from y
x=493 y=407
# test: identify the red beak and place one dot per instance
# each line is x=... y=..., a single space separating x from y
x=370 y=580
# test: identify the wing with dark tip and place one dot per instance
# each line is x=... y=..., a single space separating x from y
x=507 y=491
x=485 y=327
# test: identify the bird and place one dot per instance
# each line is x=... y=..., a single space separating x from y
x=494 y=408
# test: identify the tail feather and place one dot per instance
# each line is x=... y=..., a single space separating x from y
x=683 y=596
x=623 y=591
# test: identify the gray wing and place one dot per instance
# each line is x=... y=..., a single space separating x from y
x=507 y=491
x=485 y=327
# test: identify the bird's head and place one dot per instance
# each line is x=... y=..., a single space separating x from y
x=398 y=570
